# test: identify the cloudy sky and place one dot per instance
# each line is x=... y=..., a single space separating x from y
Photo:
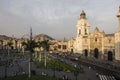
x=56 y=18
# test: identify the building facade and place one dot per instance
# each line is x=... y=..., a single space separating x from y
x=117 y=39
x=96 y=44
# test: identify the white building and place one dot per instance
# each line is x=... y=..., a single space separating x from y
x=117 y=39
x=96 y=44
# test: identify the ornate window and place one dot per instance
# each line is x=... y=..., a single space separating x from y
x=79 y=31
x=85 y=31
x=95 y=39
x=109 y=40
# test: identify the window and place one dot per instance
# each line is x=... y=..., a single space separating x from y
x=109 y=40
x=79 y=31
x=85 y=31
x=95 y=39
x=64 y=46
x=59 y=46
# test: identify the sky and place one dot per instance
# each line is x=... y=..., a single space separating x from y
x=56 y=18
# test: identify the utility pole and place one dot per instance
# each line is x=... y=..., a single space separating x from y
x=45 y=58
x=30 y=58
x=46 y=51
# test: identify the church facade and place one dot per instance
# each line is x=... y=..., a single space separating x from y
x=96 y=44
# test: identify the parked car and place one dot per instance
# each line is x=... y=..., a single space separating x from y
x=44 y=74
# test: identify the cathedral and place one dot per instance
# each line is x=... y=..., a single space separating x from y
x=96 y=44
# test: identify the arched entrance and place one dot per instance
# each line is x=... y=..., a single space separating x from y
x=72 y=50
x=86 y=53
x=110 y=56
x=96 y=53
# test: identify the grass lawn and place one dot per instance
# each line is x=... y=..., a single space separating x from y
x=18 y=54
x=58 y=66
x=33 y=77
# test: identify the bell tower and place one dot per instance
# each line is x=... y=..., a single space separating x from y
x=118 y=16
x=117 y=38
x=82 y=25
x=82 y=36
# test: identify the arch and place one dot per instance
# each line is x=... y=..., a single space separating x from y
x=110 y=56
x=86 y=52
x=96 y=53
x=72 y=50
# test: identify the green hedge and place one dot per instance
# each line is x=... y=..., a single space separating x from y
x=58 y=66
x=33 y=77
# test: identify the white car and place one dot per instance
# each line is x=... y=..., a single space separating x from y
x=44 y=74
x=76 y=59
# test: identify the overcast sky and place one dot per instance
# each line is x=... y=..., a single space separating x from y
x=56 y=18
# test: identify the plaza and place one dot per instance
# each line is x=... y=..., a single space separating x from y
x=88 y=55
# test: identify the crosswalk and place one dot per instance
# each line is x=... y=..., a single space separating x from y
x=106 y=77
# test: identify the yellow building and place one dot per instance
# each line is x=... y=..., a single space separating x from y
x=70 y=44
x=62 y=46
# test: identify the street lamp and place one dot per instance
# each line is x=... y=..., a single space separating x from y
x=30 y=58
x=46 y=51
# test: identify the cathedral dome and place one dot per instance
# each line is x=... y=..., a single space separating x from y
x=82 y=15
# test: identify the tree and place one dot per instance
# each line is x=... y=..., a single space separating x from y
x=33 y=45
x=45 y=44
x=1 y=41
x=24 y=43
x=9 y=44
x=27 y=44
x=16 y=42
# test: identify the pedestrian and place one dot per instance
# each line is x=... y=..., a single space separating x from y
x=89 y=67
x=63 y=77
x=96 y=74
x=66 y=78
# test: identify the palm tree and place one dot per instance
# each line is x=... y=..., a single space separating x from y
x=16 y=42
x=1 y=41
x=45 y=44
x=27 y=44
x=24 y=44
x=33 y=45
x=9 y=44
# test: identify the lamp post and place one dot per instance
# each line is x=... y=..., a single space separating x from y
x=46 y=51
x=45 y=58
x=30 y=58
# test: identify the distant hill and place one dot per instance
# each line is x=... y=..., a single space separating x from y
x=4 y=37
x=42 y=37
